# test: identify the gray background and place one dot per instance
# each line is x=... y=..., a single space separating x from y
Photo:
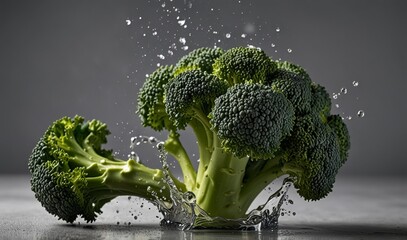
x=62 y=58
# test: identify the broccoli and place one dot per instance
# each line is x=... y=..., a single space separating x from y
x=255 y=120
x=72 y=175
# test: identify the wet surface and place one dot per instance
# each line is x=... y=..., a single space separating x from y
x=359 y=208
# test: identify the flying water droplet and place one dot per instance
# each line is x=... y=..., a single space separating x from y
x=289 y=50
x=181 y=22
x=160 y=56
x=182 y=40
x=184 y=48
x=278 y=29
x=355 y=83
x=228 y=35
x=243 y=35
x=128 y=22
x=335 y=96
x=344 y=90
x=361 y=113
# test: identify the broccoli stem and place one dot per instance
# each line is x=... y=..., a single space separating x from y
x=128 y=179
x=204 y=150
x=256 y=184
x=110 y=178
x=174 y=147
x=220 y=186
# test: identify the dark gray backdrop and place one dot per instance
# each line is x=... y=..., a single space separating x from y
x=62 y=58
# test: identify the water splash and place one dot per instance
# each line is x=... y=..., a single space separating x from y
x=183 y=213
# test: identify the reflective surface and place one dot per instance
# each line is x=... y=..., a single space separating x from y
x=362 y=208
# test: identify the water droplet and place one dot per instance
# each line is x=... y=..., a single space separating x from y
x=154 y=33
x=182 y=40
x=278 y=29
x=337 y=105
x=290 y=201
x=184 y=48
x=103 y=161
x=181 y=22
x=344 y=90
x=273 y=45
x=163 y=5
x=361 y=113
x=228 y=35
x=355 y=83
x=118 y=223
x=335 y=96
x=349 y=117
x=170 y=52
x=160 y=56
x=135 y=217
x=289 y=50
x=117 y=211
x=128 y=22
x=243 y=35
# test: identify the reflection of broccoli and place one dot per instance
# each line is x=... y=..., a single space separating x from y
x=255 y=120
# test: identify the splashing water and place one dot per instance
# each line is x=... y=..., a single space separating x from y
x=184 y=214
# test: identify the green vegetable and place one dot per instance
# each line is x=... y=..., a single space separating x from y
x=254 y=119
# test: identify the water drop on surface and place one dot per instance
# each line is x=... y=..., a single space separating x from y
x=344 y=90
x=355 y=83
x=361 y=113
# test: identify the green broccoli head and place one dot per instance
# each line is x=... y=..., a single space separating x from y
x=313 y=157
x=252 y=120
x=201 y=59
x=243 y=65
x=192 y=93
x=294 y=82
x=151 y=107
x=73 y=176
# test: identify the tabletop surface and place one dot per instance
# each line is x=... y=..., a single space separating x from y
x=358 y=208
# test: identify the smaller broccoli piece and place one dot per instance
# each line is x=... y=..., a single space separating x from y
x=199 y=59
x=243 y=65
x=73 y=176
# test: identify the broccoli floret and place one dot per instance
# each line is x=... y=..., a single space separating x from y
x=240 y=65
x=313 y=157
x=73 y=176
x=201 y=59
x=151 y=108
x=320 y=101
x=294 y=83
x=251 y=120
x=342 y=135
x=254 y=119
x=191 y=94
